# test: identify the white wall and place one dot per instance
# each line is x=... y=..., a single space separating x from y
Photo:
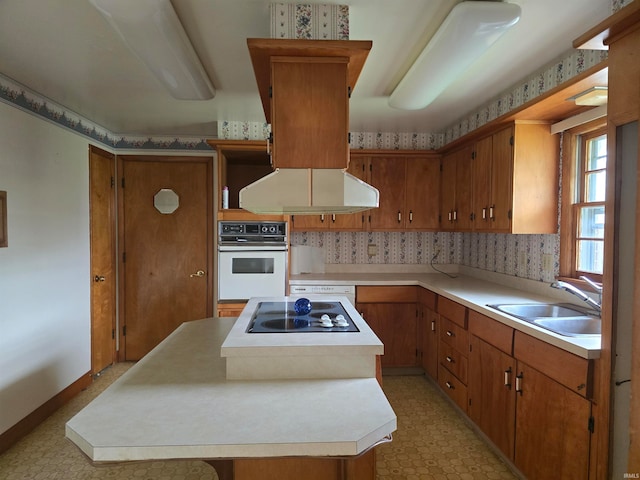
x=44 y=273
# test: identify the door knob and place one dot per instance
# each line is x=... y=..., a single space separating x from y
x=98 y=278
x=199 y=273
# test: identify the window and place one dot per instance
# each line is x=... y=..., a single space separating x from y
x=584 y=188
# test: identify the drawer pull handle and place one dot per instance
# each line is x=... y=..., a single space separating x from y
x=450 y=333
x=449 y=359
x=433 y=325
x=507 y=378
x=450 y=386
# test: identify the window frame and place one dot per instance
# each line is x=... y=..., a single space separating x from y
x=573 y=144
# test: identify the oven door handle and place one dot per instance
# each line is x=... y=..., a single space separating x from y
x=252 y=248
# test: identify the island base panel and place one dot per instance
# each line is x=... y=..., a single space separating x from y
x=362 y=467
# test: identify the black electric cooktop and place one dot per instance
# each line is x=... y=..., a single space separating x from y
x=280 y=317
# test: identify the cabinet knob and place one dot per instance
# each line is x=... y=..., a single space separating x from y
x=519 y=383
x=199 y=273
x=99 y=278
x=399 y=216
x=433 y=325
x=450 y=333
x=491 y=213
x=410 y=216
x=507 y=378
x=449 y=359
x=449 y=385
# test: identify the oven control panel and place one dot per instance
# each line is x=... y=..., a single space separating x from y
x=241 y=232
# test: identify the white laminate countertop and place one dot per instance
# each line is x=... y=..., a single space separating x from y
x=473 y=292
x=177 y=403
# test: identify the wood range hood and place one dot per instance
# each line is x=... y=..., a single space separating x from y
x=305 y=87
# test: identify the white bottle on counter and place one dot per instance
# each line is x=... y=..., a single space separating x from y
x=225 y=197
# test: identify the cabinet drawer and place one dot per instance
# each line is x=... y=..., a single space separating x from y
x=568 y=369
x=394 y=294
x=491 y=331
x=453 y=387
x=453 y=311
x=454 y=361
x=454 y=335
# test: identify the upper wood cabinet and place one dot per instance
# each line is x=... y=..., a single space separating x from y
x=515 y=180
x=506 y=182
x=310 y=112
x=456 y=188
x=305 y=86
x=409 y=192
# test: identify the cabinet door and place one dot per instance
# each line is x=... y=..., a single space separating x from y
x=430 y=321
x=352 y=221
x=388 y=175
x=491 y=391
x=304 y=223
x=482 y=184
x=396 y=326
x=296 y=112
x=464 y=190
x=502 y=181
x=552 y=428
x=422 y=194
x=448 y=191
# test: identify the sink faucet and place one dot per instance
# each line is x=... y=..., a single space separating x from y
x=560 y=285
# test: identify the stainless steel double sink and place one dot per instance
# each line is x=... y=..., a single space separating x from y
x=562 y=318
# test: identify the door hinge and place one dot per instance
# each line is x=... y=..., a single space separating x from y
x=113 y=334
x=124 y=257
x=510 y=214
x=349 y=91
x=473 y=155
x=511 y=140
x=122 y=182
x=592 y=424
x=270 y=91
x=124 y=331
x=113 y=182
x=349 y=138
x=441 y=167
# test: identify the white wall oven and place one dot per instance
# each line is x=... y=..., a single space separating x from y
x=252 y=260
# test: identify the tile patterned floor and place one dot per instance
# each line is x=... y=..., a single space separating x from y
x=432 y=442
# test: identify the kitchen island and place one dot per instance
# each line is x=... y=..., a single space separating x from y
x=176 y=403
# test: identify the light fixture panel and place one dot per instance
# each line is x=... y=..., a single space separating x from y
x=467 y=32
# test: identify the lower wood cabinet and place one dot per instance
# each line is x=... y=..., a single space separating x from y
x=540 y=421
x=392 y=313
x=453 y=348
x=230 y=309
x=428 y=331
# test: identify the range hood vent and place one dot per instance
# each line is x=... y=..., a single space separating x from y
x=308 y=191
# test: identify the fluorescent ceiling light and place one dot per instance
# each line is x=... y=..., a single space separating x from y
x=467 y=32
x=152 y=30
x=592 y=97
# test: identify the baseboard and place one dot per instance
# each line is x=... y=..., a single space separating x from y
x=40 y=414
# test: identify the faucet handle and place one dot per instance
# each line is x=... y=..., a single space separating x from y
x=594 y=285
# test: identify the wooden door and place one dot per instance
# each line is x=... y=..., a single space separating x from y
x=491 y=391
x=552 y=428
x=388 y=176
x=482 y=184
x=422 y=195
x=166 y=256
x=103 y=258
x=502 y=180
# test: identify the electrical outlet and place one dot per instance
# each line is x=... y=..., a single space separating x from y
x=522 y=257
x=372 y=249
x=547 y=262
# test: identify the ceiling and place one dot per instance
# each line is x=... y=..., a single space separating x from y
x=65 y=51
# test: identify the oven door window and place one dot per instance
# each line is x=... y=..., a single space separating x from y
x=252 y=265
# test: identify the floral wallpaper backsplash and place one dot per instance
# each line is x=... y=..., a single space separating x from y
x=516 y=255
